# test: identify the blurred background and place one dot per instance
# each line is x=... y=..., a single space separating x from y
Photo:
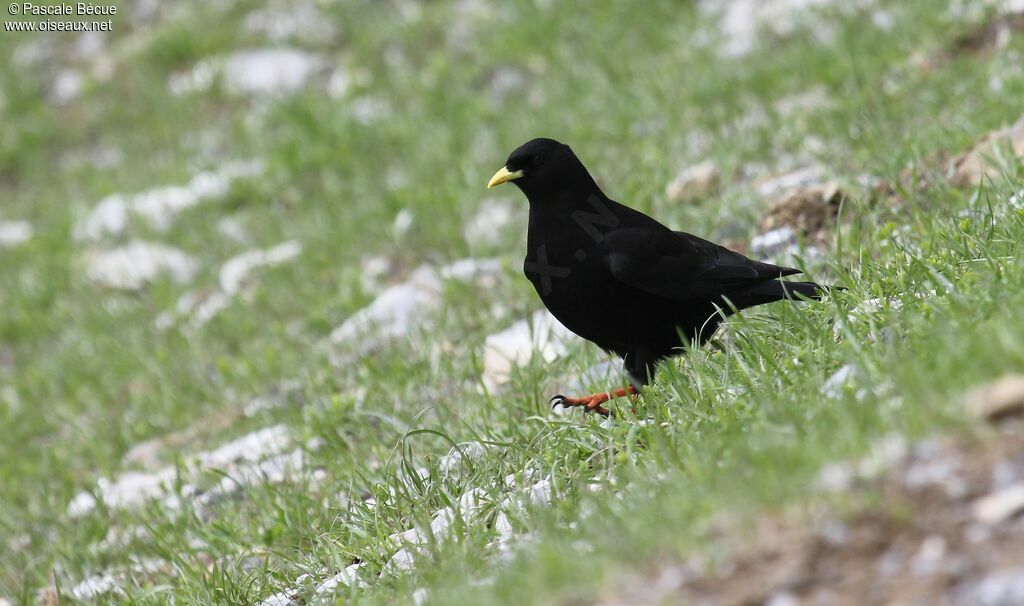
x=262 y=325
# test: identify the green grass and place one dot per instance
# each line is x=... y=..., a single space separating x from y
x=735 y=428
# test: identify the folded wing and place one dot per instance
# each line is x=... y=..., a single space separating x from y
x=681 y=266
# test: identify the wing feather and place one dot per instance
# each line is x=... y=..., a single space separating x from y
x=681 y=266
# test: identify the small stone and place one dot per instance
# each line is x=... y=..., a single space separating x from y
x=67 y=86
x=981 y=163
x=806 y=102
x=279 y=599
x=999 y=506
x=397 y=312
x=95 y=586
x=484 y=227
x=346 y=578
x=404 y=559
x=773 y=242
x=160 y=206
x=929 y=556
x=419 y=597
x=777 y=185
x=999 y=400
x=132 y=266
x=469 y=270
x=455 y=461
x=13 y=233
x=1001 y=588
x=782 y=599
x=374 y=271
x=810 y=211
x=837 y=477
x=403 y=223
x=269 y=71
x=234 y=272
x=503 y=351
x=836 y=385
x=694 y=182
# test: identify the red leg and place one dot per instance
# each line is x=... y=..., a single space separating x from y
x=593 y=402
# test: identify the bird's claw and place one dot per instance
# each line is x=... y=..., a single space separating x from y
x=589 y=403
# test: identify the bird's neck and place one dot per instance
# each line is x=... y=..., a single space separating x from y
x=578 y=193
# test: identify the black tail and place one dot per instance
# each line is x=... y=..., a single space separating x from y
x=777 y=290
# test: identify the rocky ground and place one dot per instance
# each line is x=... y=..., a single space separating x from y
x=267 y=341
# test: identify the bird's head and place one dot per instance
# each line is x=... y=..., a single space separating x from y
x=541 y=165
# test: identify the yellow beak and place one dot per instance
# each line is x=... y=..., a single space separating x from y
x=502 y=176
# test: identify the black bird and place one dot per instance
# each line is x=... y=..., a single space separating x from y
x=622 y=280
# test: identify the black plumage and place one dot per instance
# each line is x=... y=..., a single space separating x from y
x=621 y=279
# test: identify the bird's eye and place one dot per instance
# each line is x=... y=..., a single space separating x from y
x=538 y=159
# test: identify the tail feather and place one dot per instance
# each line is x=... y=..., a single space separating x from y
x=777 y=290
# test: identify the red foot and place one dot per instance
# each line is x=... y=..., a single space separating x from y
x=593 y=402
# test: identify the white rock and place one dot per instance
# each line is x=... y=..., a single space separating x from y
x=234 y=272
x=773 y=242
x=811 y=100
x=404 y=559
x=929 y=556
x=836 y=384
x=67 y=86
x=367 y=110
x=398 y=311
x=202 y=306
x=339 y=83
x=467 y=270
x=95 y=586
x=541 y=334
x=231 y=228
x=250 y=447
x=998 y=588
x=283 y=21
x=875 y=305
x=999 y=506
x=885 y=453
x=540 y=493
x=209 y=307
x=373 y=271
x=693 y=182
x=196 y=80
x=419 y=597
x=233 y=277
x=998 y=400
x=780 y=184
x=742 y=21
x=346 y=578
x=160 y=206
x=483 y=228
x=782 y=599
x=402 y=223
x=412 y=536
x=452 y=463
x=280 y=599
x=836 y=477
x=110 y=216
x=130 y=489
x=273 y=470
x=240 y=461
x=132 y=266
x=269 y=70
x=13 y=233
x=503 y=528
